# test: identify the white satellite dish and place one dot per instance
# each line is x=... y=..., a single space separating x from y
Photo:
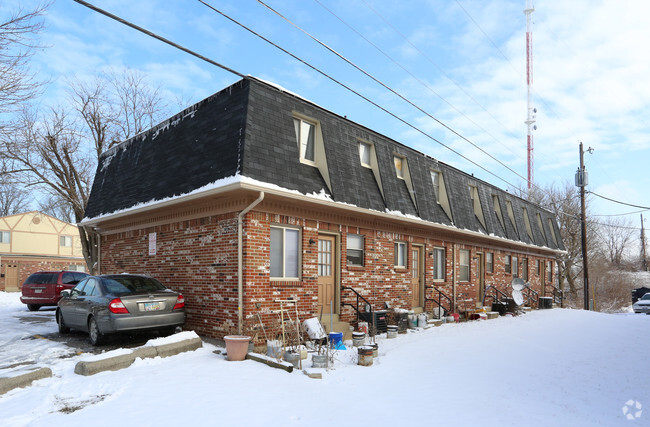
x=518 y=284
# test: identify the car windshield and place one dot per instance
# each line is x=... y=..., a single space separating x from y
x=646 y=297
x=130 y=285
x=42 y=278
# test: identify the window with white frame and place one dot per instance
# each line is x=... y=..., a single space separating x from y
x=435 y=179
x=506 y=265
x=524 y=269
x=515 y=266
x=400 y=254
x=399 y=166
x=65 y=241
x=497 y=209
x=439 y=263
x=305 y=135
x=285 y=252
x=355 y=249
x=5 y=237
x=489 y=262
x=464 y=265
x=364 y=153
x=549 y=271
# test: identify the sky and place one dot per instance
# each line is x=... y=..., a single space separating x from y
x=557 y=367
x=461 y=62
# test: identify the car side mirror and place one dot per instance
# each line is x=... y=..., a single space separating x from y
x=65 y=293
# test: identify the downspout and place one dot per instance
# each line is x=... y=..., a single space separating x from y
x=453 y=269
x=240 y=261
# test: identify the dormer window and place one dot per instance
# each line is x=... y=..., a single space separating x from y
x=305 y=135
x=364 y=154
x=399 y=166
x=476 y=204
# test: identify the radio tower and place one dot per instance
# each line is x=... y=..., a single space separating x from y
x=530 y=118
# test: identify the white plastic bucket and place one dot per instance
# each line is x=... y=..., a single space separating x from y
x=314 y=329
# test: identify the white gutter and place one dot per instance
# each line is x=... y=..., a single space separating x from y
x=240 y=261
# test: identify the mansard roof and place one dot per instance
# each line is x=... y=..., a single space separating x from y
x=246 y=132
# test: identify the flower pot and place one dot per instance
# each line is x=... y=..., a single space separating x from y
x=365 y=355
x=358 y=338
x=293 y=358
x=391 y=331
x=236 y=346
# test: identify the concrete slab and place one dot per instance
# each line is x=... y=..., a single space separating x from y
x=24 y=380
x=116 y=363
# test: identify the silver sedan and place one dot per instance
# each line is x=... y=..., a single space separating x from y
x=642 y=305
x=106 y=304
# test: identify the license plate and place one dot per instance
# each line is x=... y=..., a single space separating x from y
x=152 y=306
x=38 y=290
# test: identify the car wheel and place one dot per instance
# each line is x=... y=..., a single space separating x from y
x=168 y=331
x=96 y=337
x=33 y=307
x=59 y=320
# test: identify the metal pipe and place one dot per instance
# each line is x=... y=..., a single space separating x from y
x=240 y=261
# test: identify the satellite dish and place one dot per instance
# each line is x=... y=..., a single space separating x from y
x=518 y=284
x=518 y=297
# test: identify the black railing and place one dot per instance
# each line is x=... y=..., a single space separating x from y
x=498 y=294
x=356 y=307
x=558 y=297
x=438 y=302
x=531 y=294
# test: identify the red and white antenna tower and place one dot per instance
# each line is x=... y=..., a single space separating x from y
x=530 y=118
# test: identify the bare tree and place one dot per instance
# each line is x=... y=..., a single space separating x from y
x=55 y=206
x=615 y=235
x=17 y=44
x=13 y=199
x=564 y=202
x=57 y=152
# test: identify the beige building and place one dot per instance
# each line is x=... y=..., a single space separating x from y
x=34 y=241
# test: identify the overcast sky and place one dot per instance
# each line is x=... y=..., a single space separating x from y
x=463 y=62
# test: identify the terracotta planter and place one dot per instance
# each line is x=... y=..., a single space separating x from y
x=236 y=346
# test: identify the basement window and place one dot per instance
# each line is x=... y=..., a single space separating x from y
x=285 y=253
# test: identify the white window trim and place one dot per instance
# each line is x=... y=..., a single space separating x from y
x=442 y=200
x=396 y=260
x=406 y=176
x=374 y=164
x=65 y=239
x=491 y=263
x=439 y=249
x=363 y=251
x=5 y=237
x=529 y=229
x=320 y=160
x=497 y=210
x=476 y=201
x=369 y=150
x=511 y=215
x=461 y=265
x=285 y=278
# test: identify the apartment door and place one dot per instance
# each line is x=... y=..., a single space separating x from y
x=417 y=275
x=480 y=279
x=327 y=272
x=11 y=277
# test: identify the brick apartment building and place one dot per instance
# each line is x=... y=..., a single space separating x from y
x=314 y=202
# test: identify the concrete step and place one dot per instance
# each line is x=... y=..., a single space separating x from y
x=492 y=314
x=338 y=326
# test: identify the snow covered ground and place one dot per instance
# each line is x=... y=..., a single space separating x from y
x=553 y=367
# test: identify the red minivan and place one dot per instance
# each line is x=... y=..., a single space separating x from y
x=44 y=287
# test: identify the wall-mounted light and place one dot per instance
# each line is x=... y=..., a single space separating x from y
x=312 y=241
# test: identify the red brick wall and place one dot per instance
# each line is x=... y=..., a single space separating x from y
x=199 y=259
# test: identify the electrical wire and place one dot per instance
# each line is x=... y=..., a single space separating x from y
x=393 y=91
x=619 y=202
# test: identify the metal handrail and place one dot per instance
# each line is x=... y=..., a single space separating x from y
x=441 y=295
x=359 y=296
x=558 y=297
x=530 y=290
x=498 y=294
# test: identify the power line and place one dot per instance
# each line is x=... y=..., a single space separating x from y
x=619 y=202
x=391 y=90
x=155 y=36
x=357 y=93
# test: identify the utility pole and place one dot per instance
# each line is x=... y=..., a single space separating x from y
x=530 y=117
x=644 y=260
x=582 y=179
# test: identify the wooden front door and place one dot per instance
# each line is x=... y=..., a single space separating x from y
x=327 y=273
x=11 y=278
x=480 y=279
x=416 y=276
